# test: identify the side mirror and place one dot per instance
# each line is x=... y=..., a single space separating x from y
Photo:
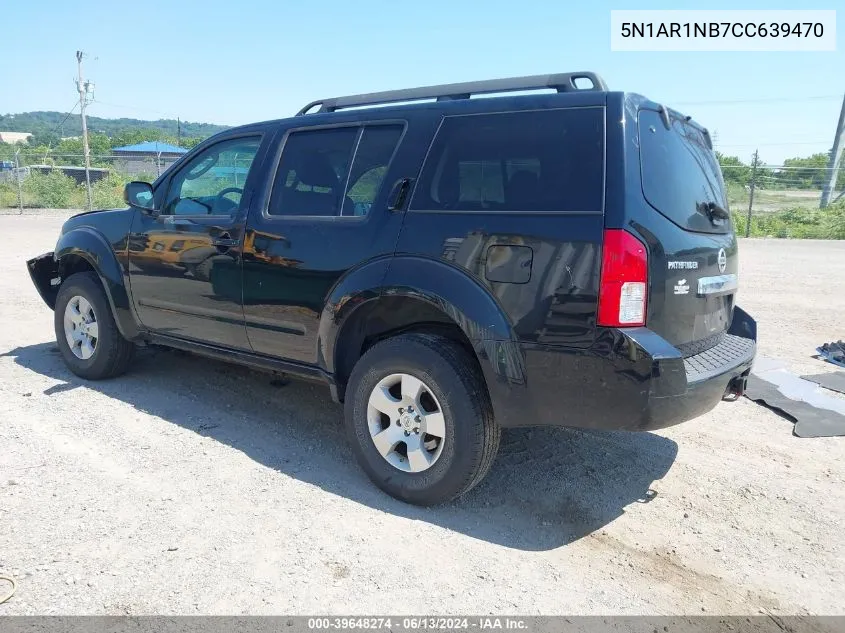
x=139 y=195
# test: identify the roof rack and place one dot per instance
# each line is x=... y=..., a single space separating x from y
x=562 y=82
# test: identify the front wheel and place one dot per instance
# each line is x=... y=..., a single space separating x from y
x=419 y=419
x=87 y=336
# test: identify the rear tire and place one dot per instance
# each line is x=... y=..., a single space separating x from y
x=88 y=339
x=458 y=445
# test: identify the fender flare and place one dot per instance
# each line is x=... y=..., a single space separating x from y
x=444 y=286
x=453 y=291
x=94 y=248
x=358 y=286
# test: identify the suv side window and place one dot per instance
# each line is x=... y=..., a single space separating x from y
x=212 y=182
x=372 y=158
x=334 y=171
x=531 y=161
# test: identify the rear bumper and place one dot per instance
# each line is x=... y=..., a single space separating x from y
x=630 y=379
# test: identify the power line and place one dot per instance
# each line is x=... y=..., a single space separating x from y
x=760 y=100
x=65 y=119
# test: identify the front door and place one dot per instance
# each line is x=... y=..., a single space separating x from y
x=325 y=214
x=185 y=259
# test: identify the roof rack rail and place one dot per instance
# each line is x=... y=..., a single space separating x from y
x=562 y=82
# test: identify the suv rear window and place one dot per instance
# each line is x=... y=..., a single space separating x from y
x=680 y=173
x=530 y=161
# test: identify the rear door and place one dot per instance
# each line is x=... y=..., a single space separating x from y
x=325 y=213
x=693 y=255
x=514 y=198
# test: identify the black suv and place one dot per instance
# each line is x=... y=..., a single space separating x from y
x=447 y=267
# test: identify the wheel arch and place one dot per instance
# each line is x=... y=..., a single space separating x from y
x=85 y=249
x=419 y=294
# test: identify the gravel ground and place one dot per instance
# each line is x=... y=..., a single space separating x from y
x=189 y=486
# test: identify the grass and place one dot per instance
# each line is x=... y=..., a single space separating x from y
x=54 y=190
x=796 y=223
x=770 y=200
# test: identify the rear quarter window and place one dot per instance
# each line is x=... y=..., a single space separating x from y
x=679 y=172
x=541 y=161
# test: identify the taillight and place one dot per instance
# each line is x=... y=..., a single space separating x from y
x=624 y=280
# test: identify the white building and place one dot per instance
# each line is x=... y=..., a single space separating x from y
x=14 y=137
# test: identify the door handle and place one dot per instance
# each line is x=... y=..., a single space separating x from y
x=399 y=194
x=224 y=240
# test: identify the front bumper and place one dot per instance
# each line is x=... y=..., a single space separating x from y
x=630 y=379
x=43 y=270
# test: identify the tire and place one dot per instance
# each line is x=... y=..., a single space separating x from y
x=466 y=451
x=111 y=352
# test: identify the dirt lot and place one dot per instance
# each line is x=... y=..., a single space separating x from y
x=190 y=486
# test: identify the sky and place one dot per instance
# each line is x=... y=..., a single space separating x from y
x=235 y=62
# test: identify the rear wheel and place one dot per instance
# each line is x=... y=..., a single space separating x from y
x=87 y=336
x=419 y=419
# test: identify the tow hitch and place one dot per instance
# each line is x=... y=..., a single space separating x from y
x=736 y=387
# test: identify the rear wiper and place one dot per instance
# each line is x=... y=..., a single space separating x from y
x=718 y=212
x=713 y=211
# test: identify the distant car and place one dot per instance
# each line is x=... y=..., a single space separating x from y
x=447 y=269
x=6 y=165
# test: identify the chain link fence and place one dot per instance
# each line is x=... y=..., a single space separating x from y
x=784 y=200
x=765 y=200
x=57 y=181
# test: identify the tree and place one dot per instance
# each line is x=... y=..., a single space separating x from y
x=135 y=136
x=807 y=173
x=803 y=173
x=131 y=137
x=733 y=169
x=70 y=152
x=35 y=122
x=735 y=172
x=43 y=137
x=190 y=142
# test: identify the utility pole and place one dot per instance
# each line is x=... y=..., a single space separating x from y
x=83 y=88
x=178 y=132
x=754 y=162
x=835 y=159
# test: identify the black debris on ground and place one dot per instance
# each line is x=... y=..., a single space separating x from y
x=835 y=381
x=810 y=421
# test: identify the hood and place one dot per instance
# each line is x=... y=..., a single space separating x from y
x=97 y=218
x=92 y=211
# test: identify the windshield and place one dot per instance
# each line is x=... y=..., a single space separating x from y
x=681 y=177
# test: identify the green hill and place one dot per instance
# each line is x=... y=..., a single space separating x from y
x=48 y=127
